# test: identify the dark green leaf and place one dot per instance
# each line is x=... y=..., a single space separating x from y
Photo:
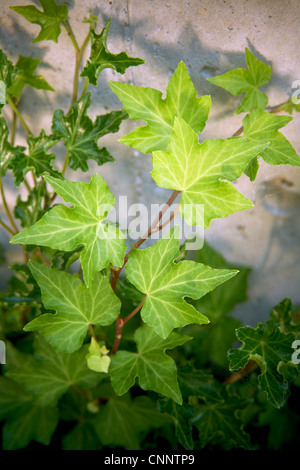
x=100 y=58
x=81 y=135
x=270 y=348
x=49 y=375
x=37 y=158
x=26 y=76
x=122 y=422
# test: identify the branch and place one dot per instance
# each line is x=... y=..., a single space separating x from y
x=121 y=322
x=152 y=229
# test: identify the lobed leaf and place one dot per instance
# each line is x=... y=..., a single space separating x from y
x=65 y=228
x=49 y=19
x=260 y=126
x=270 y=349
x=26 y=76
x=122 y=422
x=166 y=284
x=48 y=375
x=81 y=135
x=146 y=104
x=155 y=370
x=76 y=305
x=248 y=81
x=199 y=171
x=37 y=158
x=100 y=57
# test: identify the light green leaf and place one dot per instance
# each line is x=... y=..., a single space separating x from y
x=122 y=422
x=97 y=358
x=7 y=151
x=65 y=228
x=166 y=284
x=37 y=158
x=81 y=135
x=248 y=81
x=49 y=374
x=100 y=58
x=77 y=306
x=197 y=170
x=261 y=126
x=26 y=76
x=155 y=370
x=49 y=19
x=146 y=104
x=270 y=348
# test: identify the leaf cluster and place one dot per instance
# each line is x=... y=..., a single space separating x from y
x=109 y=346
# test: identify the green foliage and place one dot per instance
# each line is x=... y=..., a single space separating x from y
x=108 y=347
x=248 y=81
x=101 y=58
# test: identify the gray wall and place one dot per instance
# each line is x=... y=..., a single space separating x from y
x=210 y=36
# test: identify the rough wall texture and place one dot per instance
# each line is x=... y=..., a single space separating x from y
x=210 y=36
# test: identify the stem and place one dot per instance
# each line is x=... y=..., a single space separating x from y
x=7 y=211
x=153 y=227
x=85 y=395
x=13 y=128
x=16 y=111
x=65 y=162
x=3 y=224
x=93 y=333
x=71 y=35
x=274 y=110
x=121 y=322
x=252 y=365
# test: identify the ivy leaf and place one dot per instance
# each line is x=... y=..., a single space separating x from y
x=26 y=76
x=146 y=104
x=97 y=357
x=31 y=210
x=77 y=306
x=100 y=58
x=221 y=424
x=122 y=422
x=29 y=423
x=155 y=370
x=12 y=398
x=261 y=126
x=197 y=170
x=181 y=415
x=49 y=19
x=65 y=228
x=270 y=349
x=37 y=158
x=80 y=134
x=166 y=283
x=48 y=375
x=248 y=81
x=283 y=316
x=7 y=151
x=7 y=76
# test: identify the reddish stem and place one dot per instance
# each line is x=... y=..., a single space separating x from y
x=120 y=322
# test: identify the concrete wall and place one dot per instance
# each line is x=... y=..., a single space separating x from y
x=210 y=36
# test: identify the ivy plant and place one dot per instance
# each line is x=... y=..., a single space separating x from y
x=107 y=344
